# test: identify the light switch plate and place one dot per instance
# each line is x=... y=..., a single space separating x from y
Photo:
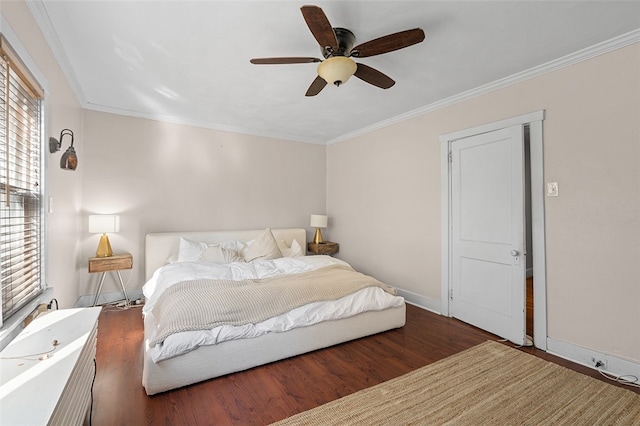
x=552 y=189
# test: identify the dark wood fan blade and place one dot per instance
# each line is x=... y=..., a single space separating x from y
x=315 y=88
x=271 y=61
x=373 y=76
x=388 y=43
x=320 y=26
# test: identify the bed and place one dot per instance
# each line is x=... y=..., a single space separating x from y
x=180 y=262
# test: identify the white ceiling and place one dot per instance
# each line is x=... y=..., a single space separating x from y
x=188 y=61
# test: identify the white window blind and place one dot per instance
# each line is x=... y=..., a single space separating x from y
x=20 y=189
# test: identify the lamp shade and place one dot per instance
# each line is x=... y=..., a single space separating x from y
x=69 y=160
x=103 y=223
x=318 y=221
x=337 y=69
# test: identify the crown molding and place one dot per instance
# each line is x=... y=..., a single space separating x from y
x=563 y=62
x=39 y=13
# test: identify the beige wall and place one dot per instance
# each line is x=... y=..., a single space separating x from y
x=62 y=111
x=384 y=197
x=167 y=177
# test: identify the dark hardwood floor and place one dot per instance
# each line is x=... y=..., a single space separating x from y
x=529 y=306
x=275 y=391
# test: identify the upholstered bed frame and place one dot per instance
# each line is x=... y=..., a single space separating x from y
x=208 y=362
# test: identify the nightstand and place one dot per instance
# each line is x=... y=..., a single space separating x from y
x=115 y=263
x=325 y=247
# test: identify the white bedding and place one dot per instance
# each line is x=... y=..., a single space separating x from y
x=365 y=300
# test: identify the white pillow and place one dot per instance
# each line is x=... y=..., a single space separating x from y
x=216 y=254
x=190 y=251
x=294 y=251
x=263 y=247
x=236 y=246
x=194 y=251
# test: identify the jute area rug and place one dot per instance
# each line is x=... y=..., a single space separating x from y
x=488 y=384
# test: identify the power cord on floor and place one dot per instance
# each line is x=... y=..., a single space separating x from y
x=625 y=379
x=124 y=305
x=95 y=372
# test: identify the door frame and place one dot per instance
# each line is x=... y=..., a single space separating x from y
x=534 y=121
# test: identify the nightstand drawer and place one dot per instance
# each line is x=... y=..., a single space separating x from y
x=111 y=263
x=326 y=247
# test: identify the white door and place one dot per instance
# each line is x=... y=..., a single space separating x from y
x=487 y=232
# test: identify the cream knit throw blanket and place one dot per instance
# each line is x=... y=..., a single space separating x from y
x=205 y=304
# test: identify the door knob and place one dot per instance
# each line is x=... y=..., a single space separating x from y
x=515 y=253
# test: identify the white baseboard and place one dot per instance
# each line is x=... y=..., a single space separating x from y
x=588 y=357
x=107 y=298
x=423 y=302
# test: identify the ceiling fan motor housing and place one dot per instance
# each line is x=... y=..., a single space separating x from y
x=346 y=40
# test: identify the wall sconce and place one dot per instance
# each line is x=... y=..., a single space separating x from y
x=101 y=224
x=69 y=160
x=318 y=221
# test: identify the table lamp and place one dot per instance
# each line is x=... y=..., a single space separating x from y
x=318 y=221
x=101 y=224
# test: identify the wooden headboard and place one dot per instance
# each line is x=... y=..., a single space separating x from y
x=162 y=245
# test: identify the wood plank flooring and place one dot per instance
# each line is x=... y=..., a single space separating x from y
x=272 y=392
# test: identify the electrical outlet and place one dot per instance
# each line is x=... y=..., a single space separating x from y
x=599 y=363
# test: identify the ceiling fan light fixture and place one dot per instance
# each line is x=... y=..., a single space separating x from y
x=337 y=69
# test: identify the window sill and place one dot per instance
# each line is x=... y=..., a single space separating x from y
x=13 y=325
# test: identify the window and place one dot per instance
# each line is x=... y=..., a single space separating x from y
x=20 y=187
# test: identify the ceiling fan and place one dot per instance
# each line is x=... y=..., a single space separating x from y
x=337 y=48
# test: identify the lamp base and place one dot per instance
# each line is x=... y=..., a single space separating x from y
x=104 y=247
x=318 y=237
